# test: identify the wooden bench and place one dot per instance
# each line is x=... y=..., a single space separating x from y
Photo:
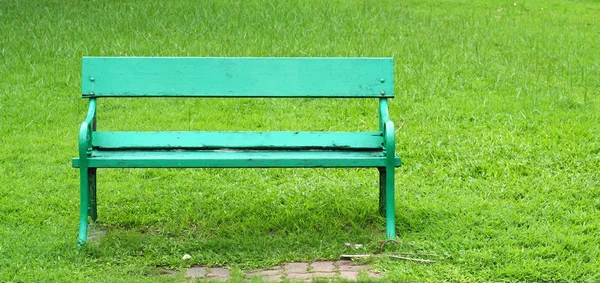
x=104 y=77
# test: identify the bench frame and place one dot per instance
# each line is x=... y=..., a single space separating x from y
x=88 y=202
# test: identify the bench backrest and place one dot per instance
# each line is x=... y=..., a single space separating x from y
x=237 y=77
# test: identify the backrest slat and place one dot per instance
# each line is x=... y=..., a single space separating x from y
x=236 y=77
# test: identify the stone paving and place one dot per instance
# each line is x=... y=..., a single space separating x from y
x=294 y=272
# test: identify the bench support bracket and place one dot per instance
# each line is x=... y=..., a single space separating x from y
x=386 y=174
x=87 y=176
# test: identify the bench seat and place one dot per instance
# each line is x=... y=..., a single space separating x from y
x=233 y=159
x=236 y=150
x=241 y=140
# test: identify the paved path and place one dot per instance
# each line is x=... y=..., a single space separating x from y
x=295 y=271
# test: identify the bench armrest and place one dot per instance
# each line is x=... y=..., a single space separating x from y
x=389 y=141
x=384 y=115
x=386 y=126
x=85 y=131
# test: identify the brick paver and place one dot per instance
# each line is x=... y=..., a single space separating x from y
x=218 y=273
x=299 y=276
x=353 y=268
x=322 y=266
x=274 y=278
x=195 y=272
x=296 y=267
x=323 y=274
x=296 y=271
x=270 y=272
x=343 y=262
x=349 y=275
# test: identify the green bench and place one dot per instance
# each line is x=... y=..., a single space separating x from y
x=344 y=78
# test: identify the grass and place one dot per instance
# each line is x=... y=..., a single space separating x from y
x=497 y=109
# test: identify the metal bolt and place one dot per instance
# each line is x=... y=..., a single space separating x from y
x=91 y=93
x=382 y=80
x=92 y=79
x=382 y=92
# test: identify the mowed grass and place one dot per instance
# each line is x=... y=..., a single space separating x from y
x=497 y=110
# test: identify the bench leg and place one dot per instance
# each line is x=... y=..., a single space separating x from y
x=381 y=190
x=390 y=209
x=92 y=210
x=386 y=200
x=84 y=184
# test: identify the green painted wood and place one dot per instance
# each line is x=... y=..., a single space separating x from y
x=85 y=177
x=391 y=160
x=86 y=129
x=384 y=114
x=234 y=159
x=237 y=77
x=237 y=140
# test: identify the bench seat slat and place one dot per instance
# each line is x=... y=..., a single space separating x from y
x=237 y=140
x=234 y=159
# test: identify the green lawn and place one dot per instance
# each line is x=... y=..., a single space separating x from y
x=497 y=110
